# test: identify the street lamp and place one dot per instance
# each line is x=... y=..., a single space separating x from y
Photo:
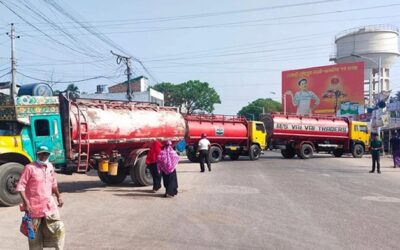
x=252 y=115
x=284 y=101
x=379 y=63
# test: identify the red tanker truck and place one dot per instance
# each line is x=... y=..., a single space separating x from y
x=111 y=136
x=82 y=134
x=228 y=135
x=304 y=135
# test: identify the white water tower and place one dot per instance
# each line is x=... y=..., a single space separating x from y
x=377 y=46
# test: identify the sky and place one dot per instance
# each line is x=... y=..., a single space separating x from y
x=239 y=47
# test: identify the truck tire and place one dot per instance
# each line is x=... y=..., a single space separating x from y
x=234 y=157
x=255 y=152
x=142 y=172
x=215 y=154
x=9 y=176
x=306 y=151
x=113 y=180
x=288 y=153
x=358 y=151
x=338 y=152
x=192 y=156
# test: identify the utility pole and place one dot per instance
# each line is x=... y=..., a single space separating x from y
x=127 y=61
x=13 y=85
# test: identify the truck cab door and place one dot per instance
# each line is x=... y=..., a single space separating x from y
x=364 y=135
x=46 y=130
x=258 y=134
x=360 y=133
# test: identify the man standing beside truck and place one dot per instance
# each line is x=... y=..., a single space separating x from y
x=376 y=147
x=37 y=186
x=204 y=150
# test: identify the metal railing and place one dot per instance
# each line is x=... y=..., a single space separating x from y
x=369 y=28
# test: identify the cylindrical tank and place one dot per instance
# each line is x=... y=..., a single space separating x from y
x=372 y=42
x=124 y=126
x=219 y=129
x=35 y=89
x=376 y=46
x=302 y=127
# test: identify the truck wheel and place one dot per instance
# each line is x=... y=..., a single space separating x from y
x=338 y=152
x=113 y=180
x=192 y=156
x=9 y=177
x=142 y=172
x=358 y=151
x=234 y=157
x=288 y=153
x=255 y=152
x=306 y=151
x=215 y=154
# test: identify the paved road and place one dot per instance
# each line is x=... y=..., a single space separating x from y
x=273 y=203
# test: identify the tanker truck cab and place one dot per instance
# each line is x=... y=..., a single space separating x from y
x=257 y=139
x=13 y=157
x=30 y=123
x=359 y=137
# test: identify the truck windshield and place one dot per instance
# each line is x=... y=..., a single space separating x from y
x=10 y=128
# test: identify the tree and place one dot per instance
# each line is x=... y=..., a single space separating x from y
x=73 y=91
x=198 y=96
x=190 y=96
x=171 y=93
x=257 y=107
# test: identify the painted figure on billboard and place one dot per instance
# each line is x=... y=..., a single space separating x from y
x=327 y=90
x=302 y=99
x=335 y=92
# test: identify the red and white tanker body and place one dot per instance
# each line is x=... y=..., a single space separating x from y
x=304 y=135
x=119 y=130
x=228 y=135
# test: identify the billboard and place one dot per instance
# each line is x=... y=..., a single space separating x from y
x=329 y=90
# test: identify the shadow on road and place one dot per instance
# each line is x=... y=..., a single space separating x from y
x=141 y=195
x=84 y=186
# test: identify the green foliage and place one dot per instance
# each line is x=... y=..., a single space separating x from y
x=190 y=96
x=171 y=93
x=255 y=108
x=73 y=91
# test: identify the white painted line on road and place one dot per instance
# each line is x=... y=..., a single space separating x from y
x=381 y=198
x=227 y=189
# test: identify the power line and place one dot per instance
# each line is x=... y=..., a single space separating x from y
x=36 y=28
x=97 y=34
x=8 y=73
x=31 y=8
x=71 y=81
x=213 y=14
x=248 y=23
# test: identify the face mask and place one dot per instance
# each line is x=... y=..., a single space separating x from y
x=42 y=162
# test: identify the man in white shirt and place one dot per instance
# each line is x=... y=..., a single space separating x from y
x=204 y=149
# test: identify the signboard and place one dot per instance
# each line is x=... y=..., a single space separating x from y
x=25 y=106
x=330 y=90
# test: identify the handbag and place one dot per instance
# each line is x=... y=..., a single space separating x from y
x=26 y=227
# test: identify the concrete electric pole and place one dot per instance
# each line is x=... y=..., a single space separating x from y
x=13 y=85
x=127 y=61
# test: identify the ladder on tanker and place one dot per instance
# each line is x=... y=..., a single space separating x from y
x=83 y=139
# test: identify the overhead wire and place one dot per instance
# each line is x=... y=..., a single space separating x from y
x=212 y=14
x=70 y=81
x=254 y=22
x=92 y=31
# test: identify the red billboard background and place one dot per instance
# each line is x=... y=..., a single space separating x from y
x=321 y=90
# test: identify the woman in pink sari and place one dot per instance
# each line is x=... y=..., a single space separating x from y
x=167 y=161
